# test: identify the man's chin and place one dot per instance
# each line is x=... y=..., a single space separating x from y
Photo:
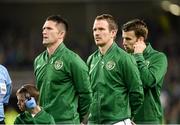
x=129 y=51
x=45 y=44
x=99 y=44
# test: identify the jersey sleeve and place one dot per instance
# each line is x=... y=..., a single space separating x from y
x=152 y=72
x=80 y=76
x=134 y=84
x=4 y=75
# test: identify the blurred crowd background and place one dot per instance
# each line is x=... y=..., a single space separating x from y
x=21 y=24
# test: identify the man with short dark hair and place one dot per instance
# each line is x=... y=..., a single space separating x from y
x=152 y=66
x=62 y=76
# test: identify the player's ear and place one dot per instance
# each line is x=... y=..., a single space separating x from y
x=61 y=34
x=141 y=38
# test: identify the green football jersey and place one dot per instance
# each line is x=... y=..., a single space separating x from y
x=64 y=86
x=152 y=66
x=116 y=85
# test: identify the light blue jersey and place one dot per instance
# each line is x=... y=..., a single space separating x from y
x=5 y=89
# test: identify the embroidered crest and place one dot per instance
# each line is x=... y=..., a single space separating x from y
x=110 y=65
x=146 y=62
x=58 y=64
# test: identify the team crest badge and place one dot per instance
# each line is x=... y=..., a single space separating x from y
x=58 y=64
x=147 y=63
x=110 y=65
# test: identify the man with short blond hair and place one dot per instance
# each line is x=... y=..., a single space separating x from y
x=116 y=84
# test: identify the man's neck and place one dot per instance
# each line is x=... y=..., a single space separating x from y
x=52 y=48
x=103 y=49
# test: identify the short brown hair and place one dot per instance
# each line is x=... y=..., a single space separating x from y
x=59 y=20
x=138 y=26
x=110 y=19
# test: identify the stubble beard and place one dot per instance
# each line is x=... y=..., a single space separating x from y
x=45 y=43
x=99 y=44
x=129 y=50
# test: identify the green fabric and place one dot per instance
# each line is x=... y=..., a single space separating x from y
x=152 y=66
x=41 y=118
x=63 y=81
x=116 y=85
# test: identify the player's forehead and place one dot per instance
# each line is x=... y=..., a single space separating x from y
x=101 y=23
x=128 y=33
x=49 y=24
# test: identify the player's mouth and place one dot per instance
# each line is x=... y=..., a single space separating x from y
x=97 y=38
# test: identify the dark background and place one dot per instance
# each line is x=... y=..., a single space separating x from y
x=21 y=24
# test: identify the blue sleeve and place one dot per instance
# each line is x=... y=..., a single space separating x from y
x=4 y=75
